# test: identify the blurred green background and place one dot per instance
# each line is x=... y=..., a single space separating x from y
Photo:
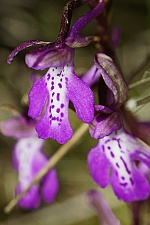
x=22 y=20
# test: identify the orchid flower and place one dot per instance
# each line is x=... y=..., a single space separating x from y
x=114 y=160
x=28 y=160
x=60 y=84
x=119 y=153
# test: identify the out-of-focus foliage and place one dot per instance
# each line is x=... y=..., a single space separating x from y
x=22 y=20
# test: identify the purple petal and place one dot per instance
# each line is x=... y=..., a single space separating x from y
x=37 y=98
x=27 y=151
x=22 y=46
x=50 y=186
x=112 y=77
x=82 y=98
x=42 y=58
x=99 y=166
x=61 y=133
x=137 y=188
x=31 y=200
x=17 y=127
x=105 y=122
x=82 y=22
x=91 y=76
x=128 y=183
x=55 y=123
x=77 y=42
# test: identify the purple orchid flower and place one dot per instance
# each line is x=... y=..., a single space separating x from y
x=60 y=84
x=28 y=160
x=115 y=159
x=119 y=152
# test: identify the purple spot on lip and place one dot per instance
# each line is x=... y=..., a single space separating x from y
x=58 y=74
x=112 y=154
x=59 y=85
x=103 y=148
x=57 y=110
x=61 y=114
x=62 y=105
x=128 y=171
x=132 y=182
x=123 y=184
x=117 y=165
x=107 y=141
x=48 y=76
x=58 y=96
x=118 y=140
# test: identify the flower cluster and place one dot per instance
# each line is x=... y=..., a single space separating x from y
x=115 y=159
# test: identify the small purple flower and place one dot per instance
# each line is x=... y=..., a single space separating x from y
x=115 y=160
x=97 y=202
x=28 y=160
x=60 y=84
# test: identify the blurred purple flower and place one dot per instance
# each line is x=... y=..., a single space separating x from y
x=60 y=84
x=106 y=216
x=28 y=160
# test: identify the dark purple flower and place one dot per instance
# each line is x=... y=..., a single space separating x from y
x=60 y=84
x=28 y=160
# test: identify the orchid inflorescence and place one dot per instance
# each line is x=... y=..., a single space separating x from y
x=117 y=157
